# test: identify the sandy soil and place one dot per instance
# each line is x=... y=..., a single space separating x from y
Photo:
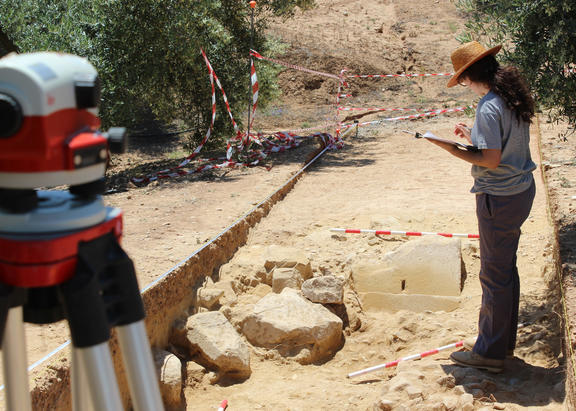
x=381 y=173
x=349 y=189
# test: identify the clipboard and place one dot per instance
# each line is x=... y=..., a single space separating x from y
x=428 y=135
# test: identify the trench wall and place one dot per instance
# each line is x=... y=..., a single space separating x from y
x=558 y=283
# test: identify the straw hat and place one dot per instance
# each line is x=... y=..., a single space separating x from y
x=466 y=55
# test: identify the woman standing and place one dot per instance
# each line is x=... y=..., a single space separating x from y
x=504 y=187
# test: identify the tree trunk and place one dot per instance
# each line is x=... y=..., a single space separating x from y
x=6 y=45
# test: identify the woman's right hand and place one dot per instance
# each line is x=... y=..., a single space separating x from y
x=463 y=131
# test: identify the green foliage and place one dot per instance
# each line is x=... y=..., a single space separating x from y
x=539 y=37
x=147 y=52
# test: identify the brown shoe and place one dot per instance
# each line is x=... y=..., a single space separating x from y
x=470 y=342
x=471 y=359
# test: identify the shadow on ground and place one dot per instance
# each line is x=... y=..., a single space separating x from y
x=148 y=157
x=517 y=384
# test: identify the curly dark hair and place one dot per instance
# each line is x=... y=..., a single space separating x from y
x=507 y=82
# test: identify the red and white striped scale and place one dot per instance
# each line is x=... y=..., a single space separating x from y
x=343 y=108
x=398 y=75
x=408 y=358
x=410 y=117
x=223 y=405
x=405 y=233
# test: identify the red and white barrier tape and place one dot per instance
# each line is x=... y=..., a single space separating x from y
x=398 y=75
x=252 y=157
x=243 y=139
x=413 y=116
x=285 y=142
x=254 y=81
x=175 y=171
x=410 y=357
x=344 y=108
x=341 y=84
x=292 y=66
x=221 y=89
x=406 y=233
x=210 y=129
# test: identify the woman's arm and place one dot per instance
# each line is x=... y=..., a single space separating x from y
x=489 y=158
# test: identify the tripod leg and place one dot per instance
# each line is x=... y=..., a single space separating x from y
x=103 y=293
x=81 y=400
x=15 y=365
x=139 y=365
x=96 y=368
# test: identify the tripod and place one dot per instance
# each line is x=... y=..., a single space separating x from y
x=60 y=258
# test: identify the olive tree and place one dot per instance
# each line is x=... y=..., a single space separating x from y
x=147 y=52
x=539 y=37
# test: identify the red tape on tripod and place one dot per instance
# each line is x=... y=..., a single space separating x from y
x=50 y=261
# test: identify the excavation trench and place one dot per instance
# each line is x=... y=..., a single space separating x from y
x=165 y=300
x=372 y=183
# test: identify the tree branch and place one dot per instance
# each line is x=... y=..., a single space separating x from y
x=6 y=45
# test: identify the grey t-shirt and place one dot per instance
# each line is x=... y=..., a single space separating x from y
x=496 y=127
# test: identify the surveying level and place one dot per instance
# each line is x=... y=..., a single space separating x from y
x=60 y=254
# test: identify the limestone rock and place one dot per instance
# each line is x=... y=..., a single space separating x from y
x=218 y=344
x=169 y=368
x=466 y=401
x=248 y=261
x=229 y=297
x=285 y=277
x=287 y=257
x=384 y=404
x=450 y=403
x=447 y=381
x=261 y=290
x=327 y=289
x=429 y=266
x=413 y=391
x=293 y=325
x=194 y=373
x=437 y=406
x=209 y=297
x=422 y=274
x=377 y=301
x=238 y=314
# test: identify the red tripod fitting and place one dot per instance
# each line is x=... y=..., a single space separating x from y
x=37 y=262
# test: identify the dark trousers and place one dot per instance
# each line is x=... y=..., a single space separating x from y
x=499 y=222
